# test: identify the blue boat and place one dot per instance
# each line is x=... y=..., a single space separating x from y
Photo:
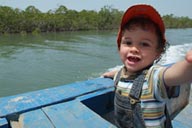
x=85 y=104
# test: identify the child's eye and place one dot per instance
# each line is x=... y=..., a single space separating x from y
x=127 y=42
x=144 y=44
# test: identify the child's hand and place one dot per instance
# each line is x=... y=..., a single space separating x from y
x=109 y=74
x=188 y=56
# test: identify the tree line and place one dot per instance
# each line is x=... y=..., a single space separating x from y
x=32 y=20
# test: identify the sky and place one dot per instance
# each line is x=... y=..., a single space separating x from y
x=176 y=7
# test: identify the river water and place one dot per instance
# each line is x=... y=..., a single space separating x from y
x=34 y=62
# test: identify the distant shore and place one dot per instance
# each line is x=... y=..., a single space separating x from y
x=32 y=20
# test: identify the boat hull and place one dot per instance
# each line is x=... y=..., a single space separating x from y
x=83 y=104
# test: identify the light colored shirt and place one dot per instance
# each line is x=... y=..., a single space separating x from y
x=152 y=98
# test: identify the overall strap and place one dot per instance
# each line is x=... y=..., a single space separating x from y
x=136 y=89
x=135 y=94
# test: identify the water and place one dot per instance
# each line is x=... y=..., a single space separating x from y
x=29 y=63
x=180 y=42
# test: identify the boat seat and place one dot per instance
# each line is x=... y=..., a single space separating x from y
x=72 y=114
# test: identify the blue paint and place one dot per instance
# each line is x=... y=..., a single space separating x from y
x=184 y=117
x=74 y=114
x=33 y=119
x=178 y=124
x=37 y=99
x=3 y=123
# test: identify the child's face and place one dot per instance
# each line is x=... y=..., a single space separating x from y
x=138 y=48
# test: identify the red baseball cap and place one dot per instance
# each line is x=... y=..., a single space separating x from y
x=141 y=10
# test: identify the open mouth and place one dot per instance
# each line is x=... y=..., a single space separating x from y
x=133 y=59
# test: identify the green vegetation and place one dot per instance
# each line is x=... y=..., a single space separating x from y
x=177 y=22
x=32 y=20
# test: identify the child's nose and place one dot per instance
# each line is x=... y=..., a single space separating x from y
x=134 y=49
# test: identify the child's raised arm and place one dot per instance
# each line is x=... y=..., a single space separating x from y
x=180 y=72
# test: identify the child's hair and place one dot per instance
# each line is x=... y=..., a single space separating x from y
x=145 y=23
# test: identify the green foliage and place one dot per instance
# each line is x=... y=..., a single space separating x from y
x=36 y=31
x=177 y=22
x=32 y=20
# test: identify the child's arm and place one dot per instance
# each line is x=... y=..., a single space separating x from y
x=180 y=72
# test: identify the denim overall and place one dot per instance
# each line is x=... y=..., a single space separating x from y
x=128 y=113
x=127 y=109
